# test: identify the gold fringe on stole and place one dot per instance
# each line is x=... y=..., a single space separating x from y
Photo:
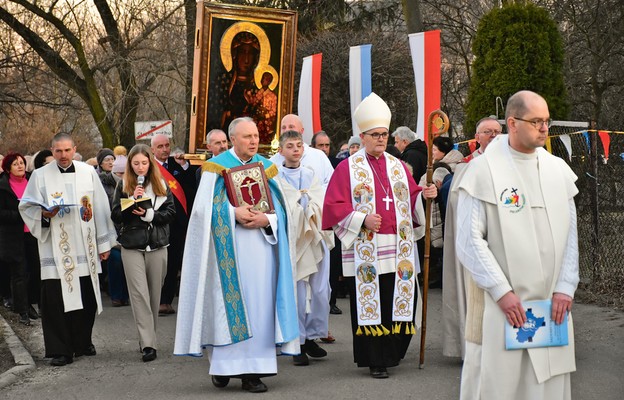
x=385 y=330
x=373 y=331
x=359 y=331
x=271 y=172
x=407 y=329
x=413 y=329
x=209 y=166
x=368 y=332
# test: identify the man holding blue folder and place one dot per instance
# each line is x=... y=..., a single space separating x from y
x=517 y=237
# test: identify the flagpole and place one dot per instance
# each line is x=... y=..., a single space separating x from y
x=438 y=120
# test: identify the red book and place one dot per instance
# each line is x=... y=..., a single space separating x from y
x=247 y=184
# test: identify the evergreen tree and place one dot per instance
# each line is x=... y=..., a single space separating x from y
x=516 y=47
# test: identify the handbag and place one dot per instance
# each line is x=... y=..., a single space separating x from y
x=135 y=236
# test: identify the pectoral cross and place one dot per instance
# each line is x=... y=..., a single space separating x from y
x=387 y=200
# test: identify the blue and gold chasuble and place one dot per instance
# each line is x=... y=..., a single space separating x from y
x=222 y=227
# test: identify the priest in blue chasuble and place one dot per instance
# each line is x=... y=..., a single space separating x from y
x=237 y=294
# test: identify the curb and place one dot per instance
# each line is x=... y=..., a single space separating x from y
x=23 y=360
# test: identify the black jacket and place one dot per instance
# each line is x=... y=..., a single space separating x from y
x=163 y=216
x=11 y=222
x=415 y=154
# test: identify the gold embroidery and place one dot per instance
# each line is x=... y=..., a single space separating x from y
x=66 y=258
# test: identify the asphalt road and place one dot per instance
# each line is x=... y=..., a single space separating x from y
x=117 y=372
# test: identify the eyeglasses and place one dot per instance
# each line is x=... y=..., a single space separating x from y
x=491 y=132
x=537 y=123
x=377 y=135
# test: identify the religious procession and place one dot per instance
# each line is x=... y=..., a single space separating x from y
x=247 y=240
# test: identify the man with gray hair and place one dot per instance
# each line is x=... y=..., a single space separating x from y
x=236 y=303
x=413 y=150
x=216 y=143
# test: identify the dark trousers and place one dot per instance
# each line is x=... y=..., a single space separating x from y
x=33 y=268
x=175 y=252
x=378 y=351
x=335 y=270
x=24 y=266
x=66 y=333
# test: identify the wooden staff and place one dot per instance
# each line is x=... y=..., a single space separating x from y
x=439 y=121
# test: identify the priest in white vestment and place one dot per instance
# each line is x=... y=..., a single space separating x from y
x=517 y=237
x=74 y=233
x=373 y=205
x=304 y=201
x=237 y=294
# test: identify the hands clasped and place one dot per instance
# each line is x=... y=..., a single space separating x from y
x=250 y=218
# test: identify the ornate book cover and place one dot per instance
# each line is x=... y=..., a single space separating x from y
x=539 y=330
x=247 y=184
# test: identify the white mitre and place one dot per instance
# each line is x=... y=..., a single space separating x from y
x=372 y=113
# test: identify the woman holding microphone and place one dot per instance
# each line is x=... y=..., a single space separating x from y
x=144 y=207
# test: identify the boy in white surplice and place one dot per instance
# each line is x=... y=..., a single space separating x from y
x=304 y=199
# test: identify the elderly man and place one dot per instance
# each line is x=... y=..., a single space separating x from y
x=182 y=183
x=413 y=150
x=71 y=246
x=453 y=282
x=312 y=158
x=237 y=295
x=373 y=203
x=517 y=237
x=216 y=143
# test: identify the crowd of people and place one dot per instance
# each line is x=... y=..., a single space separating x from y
x=145 y=225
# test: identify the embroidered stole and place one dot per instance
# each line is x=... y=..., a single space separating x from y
x=365 y=249
x=65 y=225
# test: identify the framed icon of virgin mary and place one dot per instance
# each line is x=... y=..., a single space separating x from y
x=243 y=67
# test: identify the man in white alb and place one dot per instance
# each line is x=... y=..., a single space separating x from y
x=517 y=237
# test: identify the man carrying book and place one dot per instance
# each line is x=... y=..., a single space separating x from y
x=517 y=237
x=72 y=242
x=304 y=196
x=237 y=295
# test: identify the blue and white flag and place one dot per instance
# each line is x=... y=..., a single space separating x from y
x=360 y=78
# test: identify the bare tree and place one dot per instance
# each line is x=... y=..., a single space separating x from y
x=64 y=37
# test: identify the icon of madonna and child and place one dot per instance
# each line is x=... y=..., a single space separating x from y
x=247 y=88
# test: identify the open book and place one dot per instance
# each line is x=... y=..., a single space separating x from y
x=539 y=330
x=144 y=202
x=46 y=206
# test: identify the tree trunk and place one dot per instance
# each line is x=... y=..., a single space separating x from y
x=190 y=11
x=413 y=17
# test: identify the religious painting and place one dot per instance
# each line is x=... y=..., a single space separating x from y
x=243 y=67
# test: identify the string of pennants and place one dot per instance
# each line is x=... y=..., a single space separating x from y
x=565 y=139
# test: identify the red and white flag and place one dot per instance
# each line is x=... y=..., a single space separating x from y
x=309 y=102
x=425 y=49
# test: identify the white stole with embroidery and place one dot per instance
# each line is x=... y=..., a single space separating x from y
x=365 y=246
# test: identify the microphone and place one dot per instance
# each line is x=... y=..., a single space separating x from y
x=140 y=182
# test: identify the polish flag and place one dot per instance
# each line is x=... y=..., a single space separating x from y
x=425 y=49
x=360 y=78
x=309 y=102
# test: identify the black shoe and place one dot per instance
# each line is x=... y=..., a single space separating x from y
x=220 y=381
x=254 y=385
x=301 y=359
x=149 y=354
x=335 y=310
x=378 y=372
x=61 y=361
x=7 y=303
x=32 y=313
x=89 y=351
x=313 y=349
x=24 y=319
